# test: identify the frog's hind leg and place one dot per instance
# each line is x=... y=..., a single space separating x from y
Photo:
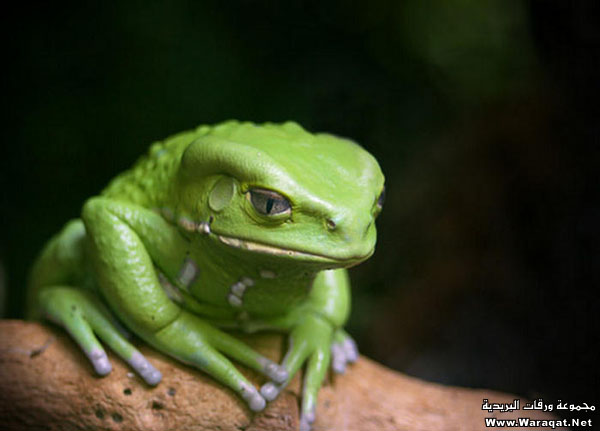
x=56 y=295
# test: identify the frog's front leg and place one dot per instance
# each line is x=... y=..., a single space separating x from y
x=317 y=338
x=126 y=242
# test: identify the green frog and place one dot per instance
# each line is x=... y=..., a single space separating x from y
x=232 y=226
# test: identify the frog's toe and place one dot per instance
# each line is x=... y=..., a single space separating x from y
x=270 y=391
x=350 y=349
x=343 y=351
x=99 y=360
x=255 y=400
x=313 y=378
x=145 y=369
x=306 y=420
x=338 y=358
x=276 y=372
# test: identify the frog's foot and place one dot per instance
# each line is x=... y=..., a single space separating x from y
x=82 y=314
x=343 y=351
x=198 y=343
x=310 y=342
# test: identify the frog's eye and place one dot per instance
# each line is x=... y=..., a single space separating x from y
x=268 y=202
x=381 y=199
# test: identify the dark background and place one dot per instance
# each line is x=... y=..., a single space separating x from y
x=482 y=114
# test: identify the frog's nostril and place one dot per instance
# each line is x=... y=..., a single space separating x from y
x=331 y=225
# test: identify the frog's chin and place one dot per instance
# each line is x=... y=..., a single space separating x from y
x=267 y=249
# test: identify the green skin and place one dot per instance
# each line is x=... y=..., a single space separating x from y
x=233 y=226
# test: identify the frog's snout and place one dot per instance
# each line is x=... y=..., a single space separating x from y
x=354 y=233
x=350 y=227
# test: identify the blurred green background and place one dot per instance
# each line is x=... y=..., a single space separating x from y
x=481 y=113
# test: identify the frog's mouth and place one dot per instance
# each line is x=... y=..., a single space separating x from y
x=288 y=253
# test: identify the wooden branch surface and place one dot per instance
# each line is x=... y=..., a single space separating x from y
x=47 y=383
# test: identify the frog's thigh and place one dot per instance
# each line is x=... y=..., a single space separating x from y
x=82 y=315
x=120 y=251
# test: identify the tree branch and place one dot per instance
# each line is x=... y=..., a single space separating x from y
x=46 y=382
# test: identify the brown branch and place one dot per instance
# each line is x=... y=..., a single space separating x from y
x=47 y=383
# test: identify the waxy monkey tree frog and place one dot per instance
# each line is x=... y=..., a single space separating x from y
x=236 y=225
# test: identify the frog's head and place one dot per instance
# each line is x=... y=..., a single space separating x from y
x=276 y=189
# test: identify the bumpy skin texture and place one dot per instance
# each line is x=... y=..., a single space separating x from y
x=231 y=226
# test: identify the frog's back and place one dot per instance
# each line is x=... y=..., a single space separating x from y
x=149 y=181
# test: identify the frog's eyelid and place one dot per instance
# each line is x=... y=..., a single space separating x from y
x=268 y=192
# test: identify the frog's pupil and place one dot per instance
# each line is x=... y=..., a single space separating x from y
x=270 y=203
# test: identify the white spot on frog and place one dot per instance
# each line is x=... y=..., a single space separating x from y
x=265 y=273
x=187 y=224
x=188 y=273
x=234 y=301
x=238 y=289
x=247 y=281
